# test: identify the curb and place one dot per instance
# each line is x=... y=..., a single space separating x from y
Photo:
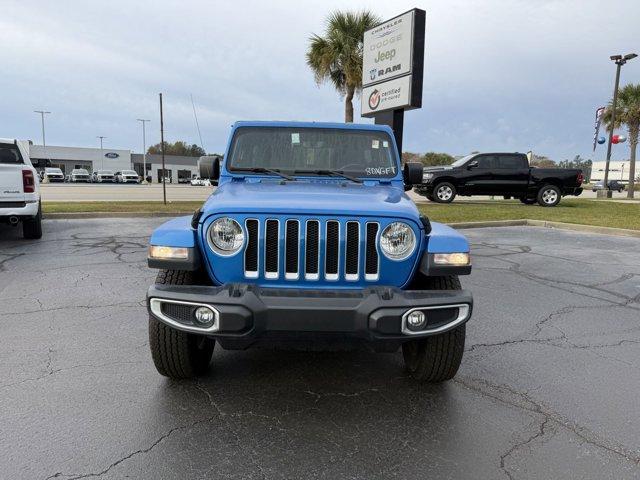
x=76 y=215
x=576 y=227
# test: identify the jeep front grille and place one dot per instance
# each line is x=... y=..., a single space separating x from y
x=313 y=249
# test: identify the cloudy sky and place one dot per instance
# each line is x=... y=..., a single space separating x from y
x=499 y=75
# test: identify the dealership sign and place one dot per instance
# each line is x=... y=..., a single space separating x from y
x=111 y=155
x=392 y=64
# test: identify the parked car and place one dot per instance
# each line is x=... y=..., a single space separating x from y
x=200 y=182
x=19 y=189
x=613 y=185
x=127 y=176
x=295 y=248
x=505 y=174
x=52 y=174
x=103 y=176
x=79 y=175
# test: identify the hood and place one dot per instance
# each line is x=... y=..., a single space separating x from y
x=314 y=198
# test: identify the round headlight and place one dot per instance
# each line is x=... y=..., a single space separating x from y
x=226 y=236
x=397 y=241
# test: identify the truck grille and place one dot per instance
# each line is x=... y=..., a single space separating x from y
x=311 y=249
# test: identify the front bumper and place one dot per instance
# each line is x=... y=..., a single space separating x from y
x=246 y=314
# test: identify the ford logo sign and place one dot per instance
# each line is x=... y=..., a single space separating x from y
x=111 y=155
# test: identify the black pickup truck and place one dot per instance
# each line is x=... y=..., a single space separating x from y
x=505 y=174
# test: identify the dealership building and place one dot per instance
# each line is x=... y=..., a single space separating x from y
x=178 y=168
x=618 y=170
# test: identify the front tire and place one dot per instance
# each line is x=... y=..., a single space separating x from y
x=444 y=192
x=177 y=354
x=549 y=196
x=436 y=358
x=32 y=227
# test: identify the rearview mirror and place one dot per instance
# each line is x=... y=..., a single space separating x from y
x=472 y=164
x=412 y=173
x=209 y=167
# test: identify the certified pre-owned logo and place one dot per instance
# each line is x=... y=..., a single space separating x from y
x=374 y=100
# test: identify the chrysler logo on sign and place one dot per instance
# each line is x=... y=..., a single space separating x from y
x=111 y=155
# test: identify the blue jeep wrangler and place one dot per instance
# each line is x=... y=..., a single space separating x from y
x=309 y=241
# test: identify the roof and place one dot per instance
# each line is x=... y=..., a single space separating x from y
x=291 y=124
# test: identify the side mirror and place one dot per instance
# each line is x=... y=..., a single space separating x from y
x=472 y=164
x=209 y=167
x=412 y=173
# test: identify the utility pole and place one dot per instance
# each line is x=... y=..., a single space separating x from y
x=42 y=114
x=619 y=60
x=101 y=152
x=144 y=148
x=164 y=179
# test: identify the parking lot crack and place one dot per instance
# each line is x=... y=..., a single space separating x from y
x=141 y=451
x=509 y=396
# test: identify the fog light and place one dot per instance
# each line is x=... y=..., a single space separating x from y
x=204 y=316
x=416 y=320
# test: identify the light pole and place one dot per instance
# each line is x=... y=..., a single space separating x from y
x=144 y=148
x=42 y=114
x=619 y=61
x=101 y=153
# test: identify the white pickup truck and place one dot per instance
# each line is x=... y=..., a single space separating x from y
x=19 y=188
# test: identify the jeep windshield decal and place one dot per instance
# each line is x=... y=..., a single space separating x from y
x=334 y=152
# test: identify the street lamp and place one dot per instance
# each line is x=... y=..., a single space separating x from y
x=144 y=148
x=42 y=114
x=619 y=61
x=101 y=153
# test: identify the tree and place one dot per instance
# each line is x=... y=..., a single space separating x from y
x=411 y=157
x=433 y=159
x=578 y=162
x=542 y=161
x=337 y=56
x=178 y=148
x=627 y=113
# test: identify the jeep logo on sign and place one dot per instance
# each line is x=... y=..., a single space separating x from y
x=388 y=55
x=111 y=155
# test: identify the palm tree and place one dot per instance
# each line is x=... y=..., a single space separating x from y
x=627 y=113
x=337 y=56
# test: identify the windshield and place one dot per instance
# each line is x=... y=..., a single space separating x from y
x=129 y=172
x=79 y=171
x=105 y=172
x=53 y=170
x=358 y=153
x=463 y=160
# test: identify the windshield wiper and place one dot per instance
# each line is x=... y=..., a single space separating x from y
x=334 y=173
x=268 y=170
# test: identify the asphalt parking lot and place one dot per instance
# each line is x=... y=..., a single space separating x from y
x=549 y=386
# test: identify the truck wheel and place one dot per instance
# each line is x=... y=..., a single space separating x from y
x=32 y=227
x=436 y=358
x=177 y=354
x=549 y=196
x=444 y=192
x=528 y=201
